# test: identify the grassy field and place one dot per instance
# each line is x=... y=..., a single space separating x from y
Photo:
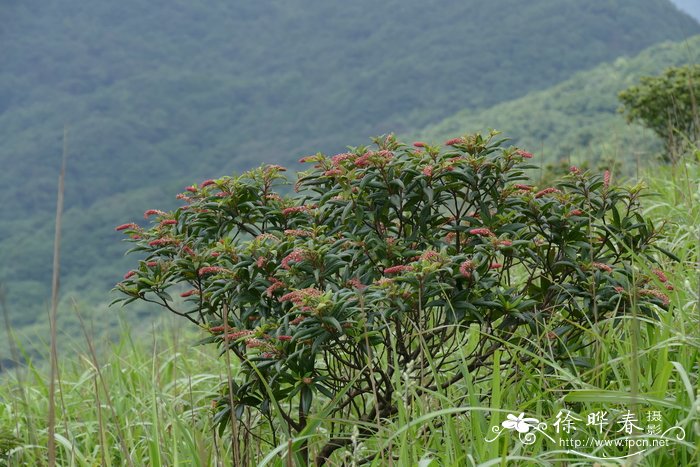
x=147 y=400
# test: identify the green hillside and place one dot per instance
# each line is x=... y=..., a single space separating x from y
x=158 y=94
x=577 y=120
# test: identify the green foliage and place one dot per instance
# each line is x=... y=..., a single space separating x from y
x=146 y=85
x=576 y=121
x=668 y=105
x=379 y=267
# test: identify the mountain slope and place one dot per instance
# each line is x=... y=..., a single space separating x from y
x=158 y=94
x=577 y=119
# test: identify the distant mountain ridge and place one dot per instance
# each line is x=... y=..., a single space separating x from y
x=158 y=94
x=577 y=120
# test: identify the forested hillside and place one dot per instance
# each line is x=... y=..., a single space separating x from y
x=577 y=120
x=158 y=94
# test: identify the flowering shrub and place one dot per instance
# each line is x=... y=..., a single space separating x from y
x=374 y=270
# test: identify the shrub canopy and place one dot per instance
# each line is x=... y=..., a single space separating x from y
x=381 y=266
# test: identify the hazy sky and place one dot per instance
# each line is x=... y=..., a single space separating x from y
x=692 y=7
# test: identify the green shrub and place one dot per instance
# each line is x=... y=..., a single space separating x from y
x=375 y=269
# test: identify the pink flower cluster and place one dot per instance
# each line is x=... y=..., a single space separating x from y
x=298 y=296
x=482 y=232
x=340 y=158
x=207 y=182
x=206 y=270
x=276 y=284
x=428 y=171
x=296 y=256
x=524 y=154
x=454 y=141
x=333 y=172
x=294 y=210
x=466 y=268
x=189 y=293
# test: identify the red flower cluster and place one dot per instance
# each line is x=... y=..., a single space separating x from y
x=398 y=269
x=168 y=222
x=522 y=187
x=189 y=293
x=657 y=294
x=296 y=321
x=428 y=171
x=163 y=241
x=454 y=141
x=238 y=334
x=546 y=191
x=153 y=212
x=191 y=189
x=129 y=226
x=606 y=179
x=208 y=182
x=660 y=274
x=419 y=144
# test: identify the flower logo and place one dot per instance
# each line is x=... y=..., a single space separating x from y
x=520 y=423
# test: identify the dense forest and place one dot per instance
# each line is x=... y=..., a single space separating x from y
x=156 y=95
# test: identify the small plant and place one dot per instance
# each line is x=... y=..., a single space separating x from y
x=368 y=278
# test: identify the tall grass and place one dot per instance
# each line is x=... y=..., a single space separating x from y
x=146 y=401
